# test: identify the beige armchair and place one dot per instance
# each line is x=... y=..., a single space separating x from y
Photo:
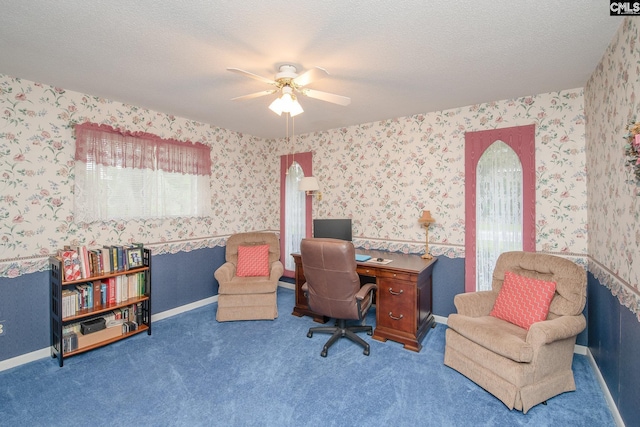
x=520 y=367
x=254 y=295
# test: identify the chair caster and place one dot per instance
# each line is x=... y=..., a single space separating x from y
x=309 y=334
x=366 y=351
x=369 y=333
x=323 y=353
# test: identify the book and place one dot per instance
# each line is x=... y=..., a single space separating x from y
x=97 y=299
x=106 y=259
x=70 y=265
x=119 y=255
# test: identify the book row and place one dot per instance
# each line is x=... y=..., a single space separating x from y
x=81 y=262
x=97 y=293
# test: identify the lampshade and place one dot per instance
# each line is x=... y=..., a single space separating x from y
x=308 y=183
x=426 y=218
x=287 y=103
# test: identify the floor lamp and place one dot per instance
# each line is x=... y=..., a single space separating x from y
x=426 y=219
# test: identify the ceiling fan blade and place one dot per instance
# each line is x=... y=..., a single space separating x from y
x=310 y=76
x=254 y=95
x=253 y=76
x=326 y=96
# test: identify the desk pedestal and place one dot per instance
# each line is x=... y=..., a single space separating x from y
x=403 y=298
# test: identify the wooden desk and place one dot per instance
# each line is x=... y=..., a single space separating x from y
x=403 y=298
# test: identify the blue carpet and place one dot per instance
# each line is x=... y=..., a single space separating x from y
x=195 y=371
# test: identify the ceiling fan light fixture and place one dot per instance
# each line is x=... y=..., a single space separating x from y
x=295 y=108
x=287 y=103
x=276 y=106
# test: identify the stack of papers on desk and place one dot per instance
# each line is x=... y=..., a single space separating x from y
x=375 y=261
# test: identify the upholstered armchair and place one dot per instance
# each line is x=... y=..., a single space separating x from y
x=248 y=280
x=521 y=364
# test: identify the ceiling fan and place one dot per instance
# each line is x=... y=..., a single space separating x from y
x=288 y=82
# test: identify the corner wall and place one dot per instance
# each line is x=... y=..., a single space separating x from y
x=611 y=104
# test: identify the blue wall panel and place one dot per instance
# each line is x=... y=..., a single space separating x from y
x=614 y=342
x=24 y=313
x=604 y=333
x=185 y=277
x=448 y=281
x=629 y=401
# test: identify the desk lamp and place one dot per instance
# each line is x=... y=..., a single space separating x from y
x=426 y=219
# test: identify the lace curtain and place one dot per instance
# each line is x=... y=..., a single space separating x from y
x=499 y=209
x=295 y=211
x=127 y=175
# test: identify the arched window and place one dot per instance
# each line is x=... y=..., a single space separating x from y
x=498 y=209
x=295 y=207
x=500 y=199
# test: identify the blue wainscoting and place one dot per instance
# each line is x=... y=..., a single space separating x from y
x=614 y=342
x=24 y=314
x=185 y=277
x=448 y=281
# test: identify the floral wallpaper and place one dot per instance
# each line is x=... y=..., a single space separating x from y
x=380 y=174
x=37 y=148
x=384 y=174
x=611 y=104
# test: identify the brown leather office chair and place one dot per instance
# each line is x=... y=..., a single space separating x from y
x=333 y=289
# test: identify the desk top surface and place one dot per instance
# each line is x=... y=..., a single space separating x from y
x=412 y=263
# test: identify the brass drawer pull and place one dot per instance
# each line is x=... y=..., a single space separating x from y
x=395 y=318
x=395 y=293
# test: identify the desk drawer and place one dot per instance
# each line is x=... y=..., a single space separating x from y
x=367 y=271
x=396 y=275
x=396 y=305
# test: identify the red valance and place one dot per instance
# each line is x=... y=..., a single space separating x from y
x=140 y=150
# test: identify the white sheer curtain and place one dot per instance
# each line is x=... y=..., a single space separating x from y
x=124 y=175
x=295 y=214
x=498 y=209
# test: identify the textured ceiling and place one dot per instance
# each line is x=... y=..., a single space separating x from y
x=392 y=59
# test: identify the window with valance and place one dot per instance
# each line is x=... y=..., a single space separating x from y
x=136 y=175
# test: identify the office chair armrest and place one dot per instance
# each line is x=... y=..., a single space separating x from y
x=225 y=272
x=364 y=290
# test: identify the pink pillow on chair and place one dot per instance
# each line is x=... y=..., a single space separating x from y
x=523 y=301
x=253 y=261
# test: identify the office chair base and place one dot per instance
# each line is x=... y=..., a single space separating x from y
x=342 y=331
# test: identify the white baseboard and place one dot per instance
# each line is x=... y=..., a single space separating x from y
x=605 y=391
x=184 y=308
x=287 y=285
x=25 y=358
x=440 y=319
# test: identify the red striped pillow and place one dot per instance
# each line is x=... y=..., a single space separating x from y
x=523 y=301
x=253 y=261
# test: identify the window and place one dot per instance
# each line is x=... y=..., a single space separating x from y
x=124 y=175
x=498 y=209
x=295 y=208
x=499 y=199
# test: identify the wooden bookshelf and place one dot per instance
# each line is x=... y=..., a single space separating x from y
x=106 y=336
